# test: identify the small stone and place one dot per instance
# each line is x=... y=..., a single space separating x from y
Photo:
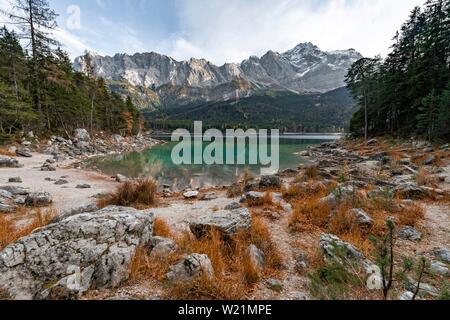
x=442 y=254
x=425 y=289
x=191 y=194
x=38 y=199
x=232 y=206
x=409 y=233
x=299 y=296
x=121 y=178
x=257 y=257
x=83 y=186
x=61 y=182
x=24 y=152
x=270 y=182
x=161 y=247
x=429 y=160
x=15 y=180
x=209 y=196
x=406 y=296
x=191 y=267
x=301 y=262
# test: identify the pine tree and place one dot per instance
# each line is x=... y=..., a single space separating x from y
x=15 y=109
x=36 y=21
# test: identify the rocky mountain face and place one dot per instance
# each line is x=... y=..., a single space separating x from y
x=156 y=80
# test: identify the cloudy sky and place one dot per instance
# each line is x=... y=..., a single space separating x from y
x=227 y=30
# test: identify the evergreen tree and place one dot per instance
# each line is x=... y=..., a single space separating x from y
x=36 y=21
x=15 y=109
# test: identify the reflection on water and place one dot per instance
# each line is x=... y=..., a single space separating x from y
x=156 y=162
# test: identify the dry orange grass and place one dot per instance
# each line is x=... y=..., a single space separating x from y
x=307 y=213
x=235 y=274
x=6 y=152
x=266 y=201
x=139 y=194
x=161 y=228
x=425 y=178
x=9 y=234
x=145 y=267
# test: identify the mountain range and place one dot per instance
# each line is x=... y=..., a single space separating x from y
x=156 y=81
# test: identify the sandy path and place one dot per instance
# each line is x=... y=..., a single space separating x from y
x=66 y=196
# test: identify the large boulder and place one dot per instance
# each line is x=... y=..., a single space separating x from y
x=191 y=267
x=81 y=135
x=227 y=222
x=65 y=259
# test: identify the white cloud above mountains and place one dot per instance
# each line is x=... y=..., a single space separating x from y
x=234 y=29
x=231 y=30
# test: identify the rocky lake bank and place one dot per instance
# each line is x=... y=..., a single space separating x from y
x=284 y=228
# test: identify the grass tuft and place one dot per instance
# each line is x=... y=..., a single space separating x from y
x=139 y=194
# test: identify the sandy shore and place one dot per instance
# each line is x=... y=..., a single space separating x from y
x=66 y=196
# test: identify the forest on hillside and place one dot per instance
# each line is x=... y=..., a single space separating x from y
x=287 y=111
x=40 y=91
x=408 y=93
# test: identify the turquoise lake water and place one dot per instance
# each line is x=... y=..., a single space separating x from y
x=157 y=162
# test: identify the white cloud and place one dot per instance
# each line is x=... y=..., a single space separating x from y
x=71 y=43
x=230 y=31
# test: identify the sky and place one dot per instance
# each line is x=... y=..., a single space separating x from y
x=226 y=30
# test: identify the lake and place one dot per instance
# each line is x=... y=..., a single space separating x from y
x=156 y=162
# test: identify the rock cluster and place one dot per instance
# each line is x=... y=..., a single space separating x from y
x=11 y=197
x=83 y=144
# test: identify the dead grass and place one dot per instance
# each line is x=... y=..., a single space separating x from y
x=138 y=194
x=9 y=234
x=411 y=215
x=235 y=274
x=144 y=266
x=425 y=178
x=266 y=201
x=161 y=228
x=309 y=213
